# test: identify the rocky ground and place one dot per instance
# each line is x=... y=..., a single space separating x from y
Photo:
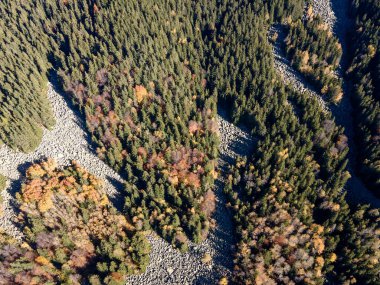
x=335 y=14
x=325 y=10
x=69 y=141
x=167 y=265
x=287 y=72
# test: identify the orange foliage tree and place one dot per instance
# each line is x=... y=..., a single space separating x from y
x=67 y=218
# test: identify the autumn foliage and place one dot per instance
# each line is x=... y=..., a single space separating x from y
x=73 y=235
x=179 y=215
x=316 y=52
x=20 y=264
x=281 y=250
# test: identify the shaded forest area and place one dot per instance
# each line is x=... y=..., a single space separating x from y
x=365 y=74
x=292 y=220
x=148 y=82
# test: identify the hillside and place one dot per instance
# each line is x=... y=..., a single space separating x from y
x=189 y=142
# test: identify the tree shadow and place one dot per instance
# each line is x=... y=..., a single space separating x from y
x=225 y=161
x=16 y=184
x=57 y=84
x=223 y=239
x=118 y=199
x=225 y=112
x=243 y=146
x=344 y=19
x=203 y=280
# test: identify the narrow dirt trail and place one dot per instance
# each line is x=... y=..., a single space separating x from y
x=335 y=14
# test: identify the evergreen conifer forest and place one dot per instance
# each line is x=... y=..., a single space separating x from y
x=154 y=85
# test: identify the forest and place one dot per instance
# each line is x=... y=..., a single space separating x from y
x=73 y=235
x=316 y=53
x=149 y=77
x=365 y=75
